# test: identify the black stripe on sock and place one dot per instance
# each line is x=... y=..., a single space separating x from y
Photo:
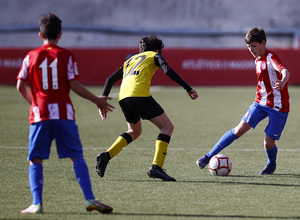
x=164 y=137
x=127 y=137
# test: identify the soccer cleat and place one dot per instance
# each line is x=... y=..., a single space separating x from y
x=203 y=161
x=33 y=209
x=157 y=172
x=95 y=204
x=102 y=161
x=268 y=170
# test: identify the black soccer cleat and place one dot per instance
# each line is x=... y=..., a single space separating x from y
x=157 y=172
x=102 y=161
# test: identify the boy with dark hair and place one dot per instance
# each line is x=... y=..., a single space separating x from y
x=136 y=102
x=51 y=72
x=272 y=101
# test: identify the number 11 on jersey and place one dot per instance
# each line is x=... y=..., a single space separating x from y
x=44 y=67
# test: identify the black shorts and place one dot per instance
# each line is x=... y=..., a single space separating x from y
x=135 y=108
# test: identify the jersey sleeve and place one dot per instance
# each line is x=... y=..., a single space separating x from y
x=111 y=80
x=72 y=68
x=161 y=62
x=277 y=63
x=23 y=73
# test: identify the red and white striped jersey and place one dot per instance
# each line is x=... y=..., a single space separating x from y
x=268 y=70
x=48 y=69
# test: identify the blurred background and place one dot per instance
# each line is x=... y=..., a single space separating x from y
x=181 y=23
x=199 y=35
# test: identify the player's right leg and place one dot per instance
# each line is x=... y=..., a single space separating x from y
x=104 y=157
x=252 y=117
x=134 y=131
x=224 y=141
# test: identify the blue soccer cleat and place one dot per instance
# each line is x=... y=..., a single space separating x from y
x=203 y=161
x=268 y=170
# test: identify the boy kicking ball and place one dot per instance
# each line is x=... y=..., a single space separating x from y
x=272 y=101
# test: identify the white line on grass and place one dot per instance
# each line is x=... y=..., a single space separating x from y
x=171 y=149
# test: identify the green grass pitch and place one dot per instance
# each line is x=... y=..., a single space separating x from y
x=126 y=187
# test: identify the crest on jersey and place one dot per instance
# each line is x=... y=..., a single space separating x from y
x=263 y=66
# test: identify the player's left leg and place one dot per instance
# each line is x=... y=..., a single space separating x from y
x=271 y=151
x=161 y=145
x=69 y=146
x=40 y=138
x=277 y=121
x=270 y=146
x=83 y=178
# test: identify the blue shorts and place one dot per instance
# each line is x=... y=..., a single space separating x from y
x=65 y=133
x=277 y=120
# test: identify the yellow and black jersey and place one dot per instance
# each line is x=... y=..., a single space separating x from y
x=136 y=74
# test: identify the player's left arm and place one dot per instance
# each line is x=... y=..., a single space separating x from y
x=21 y=87
x=160 y=61
x=100 y=101
x=280 y=84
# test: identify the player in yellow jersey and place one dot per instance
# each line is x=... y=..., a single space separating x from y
x=136 y=102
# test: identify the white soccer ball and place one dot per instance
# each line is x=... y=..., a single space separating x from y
x=220 y=165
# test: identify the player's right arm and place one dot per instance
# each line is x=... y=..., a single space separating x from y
x=22 y=80
x=21 y=87
x=110 y=81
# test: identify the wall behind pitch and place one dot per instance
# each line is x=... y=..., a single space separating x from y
x=199 y=67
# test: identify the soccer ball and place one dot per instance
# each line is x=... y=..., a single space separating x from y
x=220 y=165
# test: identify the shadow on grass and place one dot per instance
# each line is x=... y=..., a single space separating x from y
x=273 y=175
x=244 y=183
x=206 y=216
x=216 y=182
x=182 y=215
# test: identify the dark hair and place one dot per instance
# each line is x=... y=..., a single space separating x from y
x=255 y=35
x=50 y=26
x=151 y=43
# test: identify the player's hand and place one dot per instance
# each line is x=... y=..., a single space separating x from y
x=279 y=85
x=193 y=94
x=103 y=114
x=103 y=104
